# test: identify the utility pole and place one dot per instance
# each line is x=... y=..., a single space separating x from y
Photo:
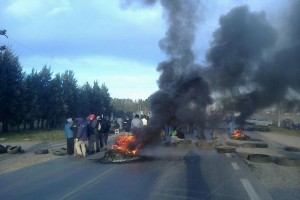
x=279 y=116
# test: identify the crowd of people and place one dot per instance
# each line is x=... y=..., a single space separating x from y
x=90 y=135
x=86 y=135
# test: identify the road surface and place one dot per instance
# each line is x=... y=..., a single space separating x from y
x=171 y=173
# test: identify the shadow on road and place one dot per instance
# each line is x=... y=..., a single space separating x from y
x=196 y=185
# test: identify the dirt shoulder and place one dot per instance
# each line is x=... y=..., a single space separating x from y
x=11 y=162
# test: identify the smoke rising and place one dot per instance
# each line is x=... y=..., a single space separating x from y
x=247 y=69
x=183 y=94
x=244 y=66
x=182 y=90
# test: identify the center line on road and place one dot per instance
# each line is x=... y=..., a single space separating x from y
x=235 y=166
x=68 y=195
x=249 y=189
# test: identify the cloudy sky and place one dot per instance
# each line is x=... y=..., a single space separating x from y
x=106 y=40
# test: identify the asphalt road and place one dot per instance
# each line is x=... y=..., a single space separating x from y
x=171 y=173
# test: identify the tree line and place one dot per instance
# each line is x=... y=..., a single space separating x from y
x=39 y=100
x=36 y=100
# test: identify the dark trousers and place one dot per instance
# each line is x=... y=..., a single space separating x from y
x=99 y=141
x=105 y=138
x=70 y=146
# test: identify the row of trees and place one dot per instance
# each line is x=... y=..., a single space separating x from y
x=37 y=100
x=40 y=100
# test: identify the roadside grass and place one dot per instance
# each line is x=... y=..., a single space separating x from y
x=37 y=135
x=285 y=131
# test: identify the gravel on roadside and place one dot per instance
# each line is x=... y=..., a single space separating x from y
x=282 y=182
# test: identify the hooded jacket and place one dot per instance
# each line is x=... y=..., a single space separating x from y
x=68 y=130
x=82 y=130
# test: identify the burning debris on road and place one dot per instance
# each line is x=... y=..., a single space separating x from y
x=124 y=150
x=238 y=135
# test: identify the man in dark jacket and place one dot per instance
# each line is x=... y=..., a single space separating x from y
x=92 y=132
x=81 y=137
x=99 y=135
x=105 y=127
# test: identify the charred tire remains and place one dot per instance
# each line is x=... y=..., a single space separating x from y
x=259 y=158
x=225 y=149
x=60 y=153
x=293 y=149
x=3 y=149
x=288 y=161
x=254 y=145
x=41 y=151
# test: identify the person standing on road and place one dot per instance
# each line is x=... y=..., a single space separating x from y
x=92 y=132
x=136 y=122
x=81 y=137
x=127 y=124
x=105 y=127
x=144 y=120
x=70 y=136
x=120 y=122
x=99 y=135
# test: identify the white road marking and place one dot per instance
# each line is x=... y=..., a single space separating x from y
x=235 y=166
x=249 y=189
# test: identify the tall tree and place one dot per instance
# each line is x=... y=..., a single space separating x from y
x=105 y=106
x=84 y=102
x=10 y=89
x=70 y=93
x=57 y=111
x=44 y=94
x=31 y=98
x=96 y=100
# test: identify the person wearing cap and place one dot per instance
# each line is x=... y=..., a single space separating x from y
x=70 y=136
x=92 y=132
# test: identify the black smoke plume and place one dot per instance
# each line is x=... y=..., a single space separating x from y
x=245 y=69
x=183 y=94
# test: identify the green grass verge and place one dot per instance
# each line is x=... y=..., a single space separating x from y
x=285 y=131
x=40 y=135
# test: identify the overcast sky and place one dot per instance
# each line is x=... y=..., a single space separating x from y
x=106 y=40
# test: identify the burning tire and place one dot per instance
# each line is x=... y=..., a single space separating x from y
x=259 y=158
x=3 y=149
x=118 y=156
x=41 y=151
x=293 y=149
x=287 y=161
x=13 y=149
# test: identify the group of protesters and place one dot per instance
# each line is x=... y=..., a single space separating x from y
x=127 y=124
x=90 y=135
x=86 y=135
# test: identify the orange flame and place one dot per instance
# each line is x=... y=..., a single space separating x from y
x=237 y=134
x=125 y=143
